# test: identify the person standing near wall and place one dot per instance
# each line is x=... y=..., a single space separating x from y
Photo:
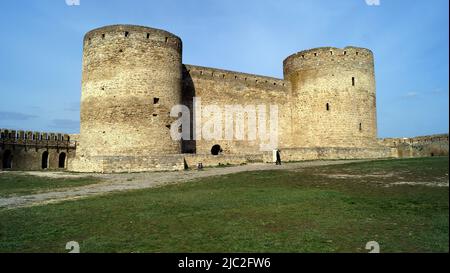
x=276 y=154
x=278 y=157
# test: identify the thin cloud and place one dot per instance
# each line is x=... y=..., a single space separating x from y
x=65 y=124
x=438 y=92
x=15 y=116
x=411 y=94
x=408 y=95
x=72 y=107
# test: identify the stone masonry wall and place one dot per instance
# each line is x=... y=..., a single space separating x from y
x=221 y=88
x=423 y=146
x=27 y=150
x=331 y=153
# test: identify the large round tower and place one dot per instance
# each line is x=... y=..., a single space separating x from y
x=333 y=93
x=131 y=80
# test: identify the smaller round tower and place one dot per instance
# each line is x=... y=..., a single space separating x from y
x=333 y=93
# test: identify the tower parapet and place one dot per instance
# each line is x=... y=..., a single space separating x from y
x=349 y=58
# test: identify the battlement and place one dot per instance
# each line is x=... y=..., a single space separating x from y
x=233 y=76
x=330 y=52
x=392 y=142
x=348 y=58
x=130 y=32
x=20 y=137
x=433 y=145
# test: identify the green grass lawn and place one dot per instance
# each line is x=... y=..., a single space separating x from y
x=17 y=184
x=321 y=209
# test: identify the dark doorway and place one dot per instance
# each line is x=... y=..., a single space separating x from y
x=216 y=149
x=62 y=160
x=7 y=160
x=45 y=160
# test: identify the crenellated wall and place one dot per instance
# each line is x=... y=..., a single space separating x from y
x=422 y=146
x=224 y=88
x=26 y=150
x=21 y=136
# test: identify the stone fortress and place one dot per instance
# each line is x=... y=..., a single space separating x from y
x=133 y=76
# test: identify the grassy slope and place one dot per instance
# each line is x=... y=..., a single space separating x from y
x=271 y=211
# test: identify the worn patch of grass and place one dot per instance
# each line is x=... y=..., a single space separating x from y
x=17 y=184
x=271 y=211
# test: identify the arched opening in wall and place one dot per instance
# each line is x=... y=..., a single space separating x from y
x=62 y=160
x=7 y=160
x=216 y=149
x=44 y=163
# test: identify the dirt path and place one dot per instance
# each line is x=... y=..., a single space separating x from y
x=133 y=181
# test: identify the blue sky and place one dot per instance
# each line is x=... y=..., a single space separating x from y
x=41 y=50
